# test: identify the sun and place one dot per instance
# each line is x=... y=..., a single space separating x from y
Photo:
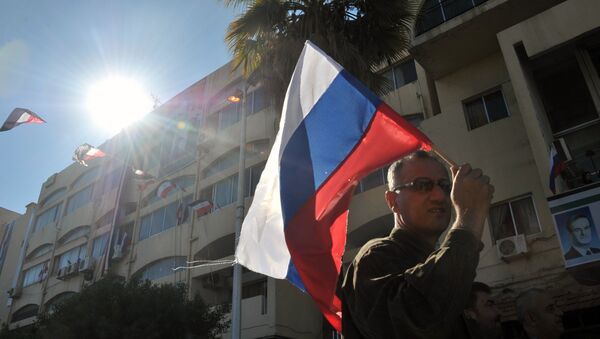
x=116 y=101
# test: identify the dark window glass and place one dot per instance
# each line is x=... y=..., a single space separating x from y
x=389 y=75
x=158 y=218
x=563 y=90
x=495 y=106
x=476 y=113
x=260 y=100
x=431 y=15
x=452 y=8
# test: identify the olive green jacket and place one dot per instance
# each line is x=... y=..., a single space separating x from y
x=399 y=287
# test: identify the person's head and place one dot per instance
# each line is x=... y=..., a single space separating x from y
x=419 y=194
x=538 y=313
x=482 y=308
x=580 y=229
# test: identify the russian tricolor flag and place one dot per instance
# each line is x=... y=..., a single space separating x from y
x=333 y=132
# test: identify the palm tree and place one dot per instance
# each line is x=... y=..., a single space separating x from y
x=362 y=35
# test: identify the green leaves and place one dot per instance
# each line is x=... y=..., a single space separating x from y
x=112 y=308
x=266 y=40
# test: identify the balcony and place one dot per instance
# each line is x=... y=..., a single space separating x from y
x=450 y=34
x=436 y=12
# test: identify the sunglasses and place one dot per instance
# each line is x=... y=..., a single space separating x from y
x=426 y=185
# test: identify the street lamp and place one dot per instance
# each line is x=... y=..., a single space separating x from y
x=238 y=97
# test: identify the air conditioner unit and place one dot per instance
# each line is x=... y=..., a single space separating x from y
x=87 y=265
x=511 y=246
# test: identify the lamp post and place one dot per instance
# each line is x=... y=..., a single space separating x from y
x=239 y=97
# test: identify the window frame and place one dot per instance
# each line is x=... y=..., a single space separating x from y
x=512 y=215
x=57 y=215
x=481 y=97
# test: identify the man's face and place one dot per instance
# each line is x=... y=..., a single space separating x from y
x=581 y=231
x=547 y=317
x=424 y=212
x=487 y=315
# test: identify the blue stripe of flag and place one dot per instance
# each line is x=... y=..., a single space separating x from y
x=324 y=139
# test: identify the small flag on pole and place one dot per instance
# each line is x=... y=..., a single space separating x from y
x=165 y=188
x=333 y=132
x=87 y=152
x=21 y=116
x=201 y=207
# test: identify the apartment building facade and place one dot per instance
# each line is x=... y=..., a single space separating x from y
x=493 y=82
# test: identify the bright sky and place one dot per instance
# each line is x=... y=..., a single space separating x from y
x=53 y=51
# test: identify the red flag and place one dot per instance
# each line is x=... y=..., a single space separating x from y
x=21 y=116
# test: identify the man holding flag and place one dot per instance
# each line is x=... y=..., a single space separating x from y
x=333 y=132
x=398 y=286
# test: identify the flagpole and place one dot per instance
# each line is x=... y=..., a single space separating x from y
x=236 y=294
x=443 y=156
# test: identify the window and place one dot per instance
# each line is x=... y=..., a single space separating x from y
x=401 y=74
x=513 y=217
x=108 y=182
x=72 y=256
x=252 y=177
x=57 y=300
x=567 y=83
x=161 y=268
x=485 y=109
x=232 y=158
x=225 y=191
x=435 y=12
x=100 y=245
x=255 y=289
x=217 y=249
x=25 y=312
x=228 y=116
x=47 y=217
x=35 y=274
x=257 y=101
x=177 y=150
x=40 y=251
x=86 y=178
x=54 y=196
x=74 y=234
x=79 y=199
x=375 y=179
x=162 y=218
x=226 y=161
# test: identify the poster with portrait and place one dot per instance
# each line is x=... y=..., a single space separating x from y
x=577 y=223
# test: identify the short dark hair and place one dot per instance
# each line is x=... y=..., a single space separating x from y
x=396 y=167
x=573 y=218
x=477 y=287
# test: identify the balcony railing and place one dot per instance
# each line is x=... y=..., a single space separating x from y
x=436 y=12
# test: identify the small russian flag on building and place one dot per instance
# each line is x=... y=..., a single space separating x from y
x=201 y=207
x=333 y=132
x=557 y=166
